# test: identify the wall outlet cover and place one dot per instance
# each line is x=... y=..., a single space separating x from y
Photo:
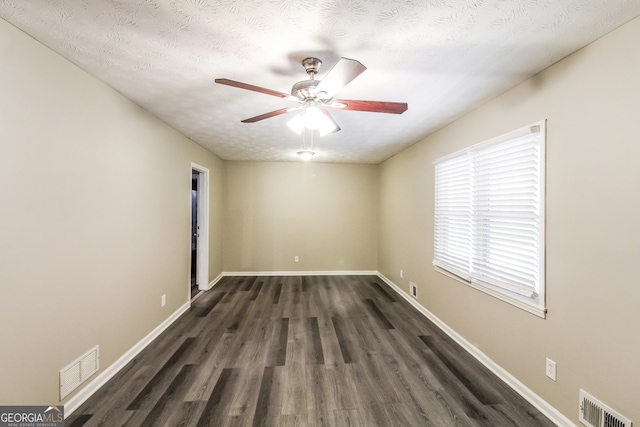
x=551 y=369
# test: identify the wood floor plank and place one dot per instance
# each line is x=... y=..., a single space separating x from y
x=277 y=354
x=237 y=317
x=218 y=403
x=186 y=414
x=375 y=383
x=348 y=418
x=314 y=354
x=260 y=307
x=481 y=390
x=330 y=346
x=518 y=417
x=296 y=292
x=375 y=284
x=249 y=346
x=342 y=334
x=464 y=398
x=209 y=304
x=379 y=317
x=163 y=376
x=304 y=351
x=163 y=410
x=210 y=368
x=117 y=393
x=405 y=414
x=430 y=397
x=246 y=283
x=310 y=305
x=341 y=386
x=255 y=290
x=245 y=398
x=404 y=316
x=291 y=298
x=375 y=415
x=77 y=420
x=320 y=400
x=293 y=420
x=294 y=398
x=277 y=293
x=269 y=405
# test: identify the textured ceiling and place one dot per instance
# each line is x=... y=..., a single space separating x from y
x=441 y=57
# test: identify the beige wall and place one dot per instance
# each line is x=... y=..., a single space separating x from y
x=592 y=103
x=95 y=219
x=327 y=214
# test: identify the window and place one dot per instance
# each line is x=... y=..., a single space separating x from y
x=489 y=217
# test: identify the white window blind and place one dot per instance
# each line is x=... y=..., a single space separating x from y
x=489 y=227
x=454 y=215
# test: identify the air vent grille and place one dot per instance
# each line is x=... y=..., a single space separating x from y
x=78 y=371
x=594 y=413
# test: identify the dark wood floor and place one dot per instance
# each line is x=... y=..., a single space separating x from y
x=304 y=351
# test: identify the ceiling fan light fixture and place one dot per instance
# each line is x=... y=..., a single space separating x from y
x=322 y=123
x=316 y=119
x=306 y=155
x=312 y=118
x=296 y=124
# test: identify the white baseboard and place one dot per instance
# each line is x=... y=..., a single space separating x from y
x=79 y=398
x=300 y=273
x=539 y=403
x=215 y=281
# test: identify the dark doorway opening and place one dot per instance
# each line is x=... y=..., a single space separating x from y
x=195 y=229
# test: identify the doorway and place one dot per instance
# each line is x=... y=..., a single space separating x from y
x=194 y=233
x=199 y=230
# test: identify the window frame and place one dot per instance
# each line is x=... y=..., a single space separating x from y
x=537 y=303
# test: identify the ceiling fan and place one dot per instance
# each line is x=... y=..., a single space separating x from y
x=314 y=95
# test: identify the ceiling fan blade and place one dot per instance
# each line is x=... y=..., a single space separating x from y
x=370 y=106
x=256 y=89
x=336 y=127
x=339 y=76
x=270 y=114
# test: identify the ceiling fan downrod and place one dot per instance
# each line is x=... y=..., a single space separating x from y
x=305 y=89
x=311 y=66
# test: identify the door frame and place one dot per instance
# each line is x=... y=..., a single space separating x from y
x=202 y=215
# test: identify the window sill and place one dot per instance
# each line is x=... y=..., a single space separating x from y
x=532 y=306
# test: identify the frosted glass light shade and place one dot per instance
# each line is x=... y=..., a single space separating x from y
x=312 y=118
x=306 y=155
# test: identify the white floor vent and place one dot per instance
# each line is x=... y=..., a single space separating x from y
x=78 y=371
x=594 y=413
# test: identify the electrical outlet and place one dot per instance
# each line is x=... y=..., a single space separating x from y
x=401 y=274
x=164 y=300
x=296 y=258
x=551 y=369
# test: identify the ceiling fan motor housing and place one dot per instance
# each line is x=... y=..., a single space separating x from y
x=305 y=89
